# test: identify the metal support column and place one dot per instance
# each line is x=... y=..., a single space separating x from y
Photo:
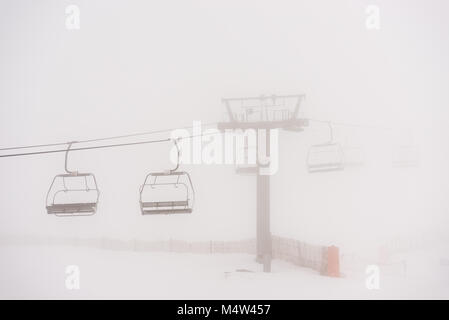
x=263 y=232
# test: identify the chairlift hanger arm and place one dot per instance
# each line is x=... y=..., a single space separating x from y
x=193 y=190
x=66 y=156
x=175 y=141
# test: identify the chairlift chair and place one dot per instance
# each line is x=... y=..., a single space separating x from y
x=169 y=192
x=73 y=193
x=405 y=156
x=325 y=157
x=272 y=108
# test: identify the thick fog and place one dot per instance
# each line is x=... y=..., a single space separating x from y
x=136 y=66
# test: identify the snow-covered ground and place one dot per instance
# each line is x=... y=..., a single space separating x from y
x=40 y=272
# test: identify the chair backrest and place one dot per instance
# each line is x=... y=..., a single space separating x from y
x=73 y=194
x=325 y=157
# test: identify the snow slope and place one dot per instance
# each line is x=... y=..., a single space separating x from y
x=39 y=272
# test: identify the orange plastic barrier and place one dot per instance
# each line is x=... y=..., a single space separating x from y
x=333 y=261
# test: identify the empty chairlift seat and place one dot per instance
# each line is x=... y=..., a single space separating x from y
x=325 y=157
x=73 y=194
x=405 y=156
x=167 y=193
x=246 y=159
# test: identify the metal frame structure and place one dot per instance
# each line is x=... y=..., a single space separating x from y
x=271 y=115
x=354 y=156
x=338 y=163
x=405 y=156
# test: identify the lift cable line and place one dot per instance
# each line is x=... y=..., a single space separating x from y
x=102 y=146
x=82 y=148
x=346 y=124
x=35 y=146
x=143 y=134
x=104 y=138
x=326 y=156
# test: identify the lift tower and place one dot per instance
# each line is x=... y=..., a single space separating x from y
x=263 y=113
